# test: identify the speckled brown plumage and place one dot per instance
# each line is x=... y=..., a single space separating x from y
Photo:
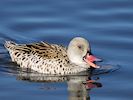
x=42 y=57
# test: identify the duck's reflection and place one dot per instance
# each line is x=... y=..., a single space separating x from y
x=77 y=89
x=79 y=86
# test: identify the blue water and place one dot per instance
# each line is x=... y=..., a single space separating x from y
x=107 y=24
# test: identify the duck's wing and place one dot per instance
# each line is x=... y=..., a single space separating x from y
x=42 y=49
x=48 y=51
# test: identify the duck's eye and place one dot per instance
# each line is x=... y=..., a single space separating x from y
x=79 y=46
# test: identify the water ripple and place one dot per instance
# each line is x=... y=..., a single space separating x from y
x=107 y=24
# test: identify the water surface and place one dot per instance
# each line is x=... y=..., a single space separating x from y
x=108 y=25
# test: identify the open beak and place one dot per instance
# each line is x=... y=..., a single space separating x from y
x=90 y=59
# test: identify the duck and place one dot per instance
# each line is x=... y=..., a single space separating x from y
x=53 y=59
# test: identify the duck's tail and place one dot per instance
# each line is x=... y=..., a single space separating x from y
x=10 y=45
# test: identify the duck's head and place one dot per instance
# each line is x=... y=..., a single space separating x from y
x=79 y=52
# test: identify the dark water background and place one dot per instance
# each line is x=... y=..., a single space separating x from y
x=107 y=24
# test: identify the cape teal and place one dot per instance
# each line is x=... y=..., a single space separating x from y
x=52 y=59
